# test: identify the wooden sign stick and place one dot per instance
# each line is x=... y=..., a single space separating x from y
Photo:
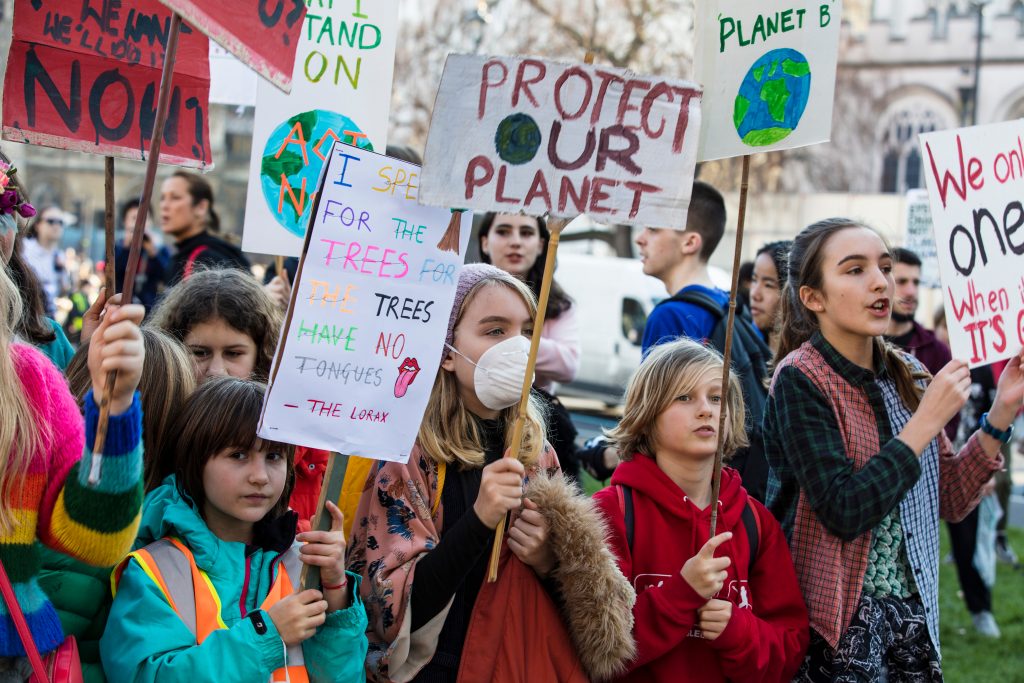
x=110 y=272
x=555 y=226
x=162 y=104
x=716 y=477
x=334 y=478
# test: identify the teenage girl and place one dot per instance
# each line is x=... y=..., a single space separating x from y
x=861 y=468
x=215 y=593
x=231 y=326
x=766 y=284
x=425 y=529
x=728 y=608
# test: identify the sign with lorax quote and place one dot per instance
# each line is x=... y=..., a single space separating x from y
x=768 y=68
x=522 y=134
x=975 y=179
x=261 y=33
x=84 y=75
x=369 y=312
x=341 y=90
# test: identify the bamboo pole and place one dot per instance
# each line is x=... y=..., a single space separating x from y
x=110 y=273
x=162 y=104
x=716 y=477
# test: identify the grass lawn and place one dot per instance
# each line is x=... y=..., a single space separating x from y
x=968 y=657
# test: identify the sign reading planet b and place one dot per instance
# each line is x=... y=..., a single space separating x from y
x=772 y=97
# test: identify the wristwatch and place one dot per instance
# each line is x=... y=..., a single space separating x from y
x=1002 y=436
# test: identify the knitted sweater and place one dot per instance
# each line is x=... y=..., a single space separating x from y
x=56 y=507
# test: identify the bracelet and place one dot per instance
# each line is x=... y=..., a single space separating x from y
x=1002 y=436
x=339 y=586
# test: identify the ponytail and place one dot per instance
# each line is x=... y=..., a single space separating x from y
x=910 y=382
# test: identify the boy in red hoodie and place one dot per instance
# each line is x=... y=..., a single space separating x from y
x=724 y=609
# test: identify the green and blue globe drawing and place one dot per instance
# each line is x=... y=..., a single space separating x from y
x=772 y=97
x=517 y=139
x=293 y=156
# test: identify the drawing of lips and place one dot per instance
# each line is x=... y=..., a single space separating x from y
x=407 y=372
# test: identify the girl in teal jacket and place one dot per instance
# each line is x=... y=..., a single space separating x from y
x=213 y=595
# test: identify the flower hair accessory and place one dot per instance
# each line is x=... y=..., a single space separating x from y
x=12 y=199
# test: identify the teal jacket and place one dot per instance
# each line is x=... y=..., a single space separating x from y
x=145 y=640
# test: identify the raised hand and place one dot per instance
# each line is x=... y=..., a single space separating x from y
x=706 y=573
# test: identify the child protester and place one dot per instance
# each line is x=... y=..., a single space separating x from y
x=728 y=608
x=231 y=326
x=215 y=592
x=424 y=530
x=861 y=467
x=45 y=461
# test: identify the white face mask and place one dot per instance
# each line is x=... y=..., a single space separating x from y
x=498 y=378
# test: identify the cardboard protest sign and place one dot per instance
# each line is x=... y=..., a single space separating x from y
x=768 y=68
x=919 y=237
x=522 y=134
x=369 y=312
x=341 y=91
x=975 y=179
x=261 y=33
x=84 y=75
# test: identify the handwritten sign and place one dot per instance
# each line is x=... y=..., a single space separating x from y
x=369 y=312
x=975 y=179
x=85 y=76
x=341 y=91
x=523 y=134
x=920 y=237
x=261 y=33
x=769 y=72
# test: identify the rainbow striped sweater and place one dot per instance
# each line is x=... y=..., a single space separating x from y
x=56 y=507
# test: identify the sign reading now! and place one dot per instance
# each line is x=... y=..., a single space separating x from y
x=975 y=179
x=522 y=134
x=369 y=312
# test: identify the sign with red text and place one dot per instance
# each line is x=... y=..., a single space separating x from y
x=768 y=68
x=522 y=134
x=341 y=90
x=84 y=75
x=369 y=312
x=975 y=179
x=261 y=33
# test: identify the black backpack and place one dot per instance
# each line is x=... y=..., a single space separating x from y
x=750 y=359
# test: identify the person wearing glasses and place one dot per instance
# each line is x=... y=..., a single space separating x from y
x=41 y=250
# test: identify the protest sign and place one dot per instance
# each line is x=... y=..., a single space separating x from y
x=261 y=33
x=920 y=238
x=975 y=179
x=84 y=76
x=341 y=91
x=369 y=312
x=768 y=68
x=231 y=81
x=522 y=134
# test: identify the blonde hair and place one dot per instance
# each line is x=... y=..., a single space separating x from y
x=449 y=433
x=19 y=429
x=669 y=371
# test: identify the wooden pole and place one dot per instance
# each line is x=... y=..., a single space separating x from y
x=334 y=479
x=162 y=104
x=716 y=477
x=555 y=226
x=110 y=272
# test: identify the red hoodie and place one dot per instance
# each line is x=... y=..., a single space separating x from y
x=767 y=635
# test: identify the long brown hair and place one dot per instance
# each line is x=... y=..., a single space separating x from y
x=32 y=326
x=805 y=269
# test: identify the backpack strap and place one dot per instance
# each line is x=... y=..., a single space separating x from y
x=699 y=299
x=190 y=263
x=752 y=523
x=625 y=496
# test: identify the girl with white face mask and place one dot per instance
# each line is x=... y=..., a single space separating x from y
x=423 y=530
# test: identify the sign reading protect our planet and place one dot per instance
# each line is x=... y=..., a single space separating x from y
x=369 y=312
x=975 y=179
x=768 y=69
x=341 y=90
x=524 y=134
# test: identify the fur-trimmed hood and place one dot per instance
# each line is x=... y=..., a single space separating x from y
x=597 y=600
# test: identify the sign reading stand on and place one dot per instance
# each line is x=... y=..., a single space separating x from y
x=369 y=312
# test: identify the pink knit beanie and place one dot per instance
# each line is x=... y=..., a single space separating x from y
x=469 y=278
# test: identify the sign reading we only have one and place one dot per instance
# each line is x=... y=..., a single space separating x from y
x=522 y=134
x=84 y=75
x=975 y=179
x=369 y=312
